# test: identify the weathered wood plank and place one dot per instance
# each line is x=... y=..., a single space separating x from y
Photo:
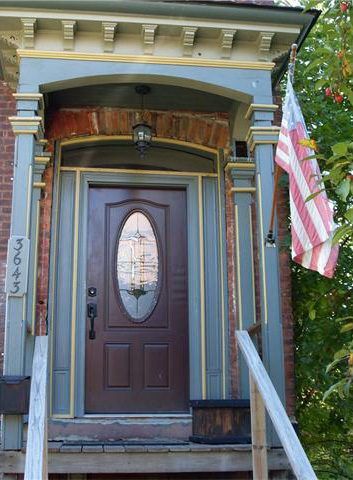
x=164 y=462
x=258 y=433
x=36 y=455
x=291 y=444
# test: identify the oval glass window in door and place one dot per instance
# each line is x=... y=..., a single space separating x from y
x=137 y=266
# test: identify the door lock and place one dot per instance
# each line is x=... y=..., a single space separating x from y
x=92 y=315
x=92 y=292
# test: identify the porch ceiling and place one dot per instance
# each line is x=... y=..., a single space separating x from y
x=161 y=97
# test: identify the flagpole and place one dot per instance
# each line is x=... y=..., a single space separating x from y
x=270 y=240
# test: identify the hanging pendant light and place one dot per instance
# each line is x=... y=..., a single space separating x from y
x=141 y=131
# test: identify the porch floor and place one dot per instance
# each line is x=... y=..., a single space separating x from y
x=130 y=459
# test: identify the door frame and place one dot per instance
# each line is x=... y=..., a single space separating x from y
x=208 y=295
x=197 y=368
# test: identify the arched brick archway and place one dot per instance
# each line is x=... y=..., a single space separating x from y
x=206 y=129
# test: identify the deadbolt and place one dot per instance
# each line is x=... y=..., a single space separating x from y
x=92 y=291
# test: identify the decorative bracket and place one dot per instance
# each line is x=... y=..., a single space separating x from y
x=148 y=37
x=188 y=39
x=10 y=41
x=40 y=164
x=109 y=31
x=69 y=29
x=29 y=28
x=261 y=135
x=226 y=40
x=264 y=42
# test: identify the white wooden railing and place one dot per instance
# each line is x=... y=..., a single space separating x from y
x=263 y=396
x=36 y=467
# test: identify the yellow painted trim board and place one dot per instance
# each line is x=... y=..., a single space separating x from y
x=243 y=189
x=262 y=107
x=74 y=295
x=52 y=292
x=238 y=276
x=104 y=138
x=146 y=59
x=39 y=184
x=170 y=173
x=240 y=165
x=29 y=200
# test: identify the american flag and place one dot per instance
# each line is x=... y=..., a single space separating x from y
x=312 y=224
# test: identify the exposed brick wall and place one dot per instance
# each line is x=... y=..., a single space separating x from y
x=286 y=284
x=232 y=301
x=44 y=252
x=205 y=129
x=232 y=280
x=7 y=144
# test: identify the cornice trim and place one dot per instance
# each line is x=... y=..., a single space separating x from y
x=105 y=57
x=262 y=130
x=42 y=160
x=28 y=96
x=243 y=190
x=25 y=125
x=261 y=107
x=39 y=184
x=240 y=166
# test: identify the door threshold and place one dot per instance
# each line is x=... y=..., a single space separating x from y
x=138 y=415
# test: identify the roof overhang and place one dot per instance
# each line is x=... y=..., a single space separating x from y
x=211 y=31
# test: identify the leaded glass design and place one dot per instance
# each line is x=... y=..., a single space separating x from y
x=137 y=266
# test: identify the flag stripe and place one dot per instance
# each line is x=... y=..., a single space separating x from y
x=312 y=222
x=307 y=169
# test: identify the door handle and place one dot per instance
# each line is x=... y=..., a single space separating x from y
x=92 y=315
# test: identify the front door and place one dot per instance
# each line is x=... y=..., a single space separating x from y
x=137 y=301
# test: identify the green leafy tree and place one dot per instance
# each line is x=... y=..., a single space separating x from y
x=323 y=308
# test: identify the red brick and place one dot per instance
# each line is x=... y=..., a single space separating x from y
x=7 y=142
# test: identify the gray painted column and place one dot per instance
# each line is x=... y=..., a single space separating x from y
x=27 y=127
x=243 y=176
x=261 y=138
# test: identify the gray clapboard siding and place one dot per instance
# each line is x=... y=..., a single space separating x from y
x=63 y=297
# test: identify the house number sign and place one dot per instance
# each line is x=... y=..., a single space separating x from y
x=17 y=266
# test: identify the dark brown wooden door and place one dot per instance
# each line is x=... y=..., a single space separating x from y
x=137 y=356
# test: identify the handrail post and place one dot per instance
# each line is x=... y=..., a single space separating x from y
x=258 y=433
x=36 y=466
x=298 y=460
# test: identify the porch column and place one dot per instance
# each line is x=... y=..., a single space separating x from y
x=27 y=126
x=243 y=190
x=261 y=138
